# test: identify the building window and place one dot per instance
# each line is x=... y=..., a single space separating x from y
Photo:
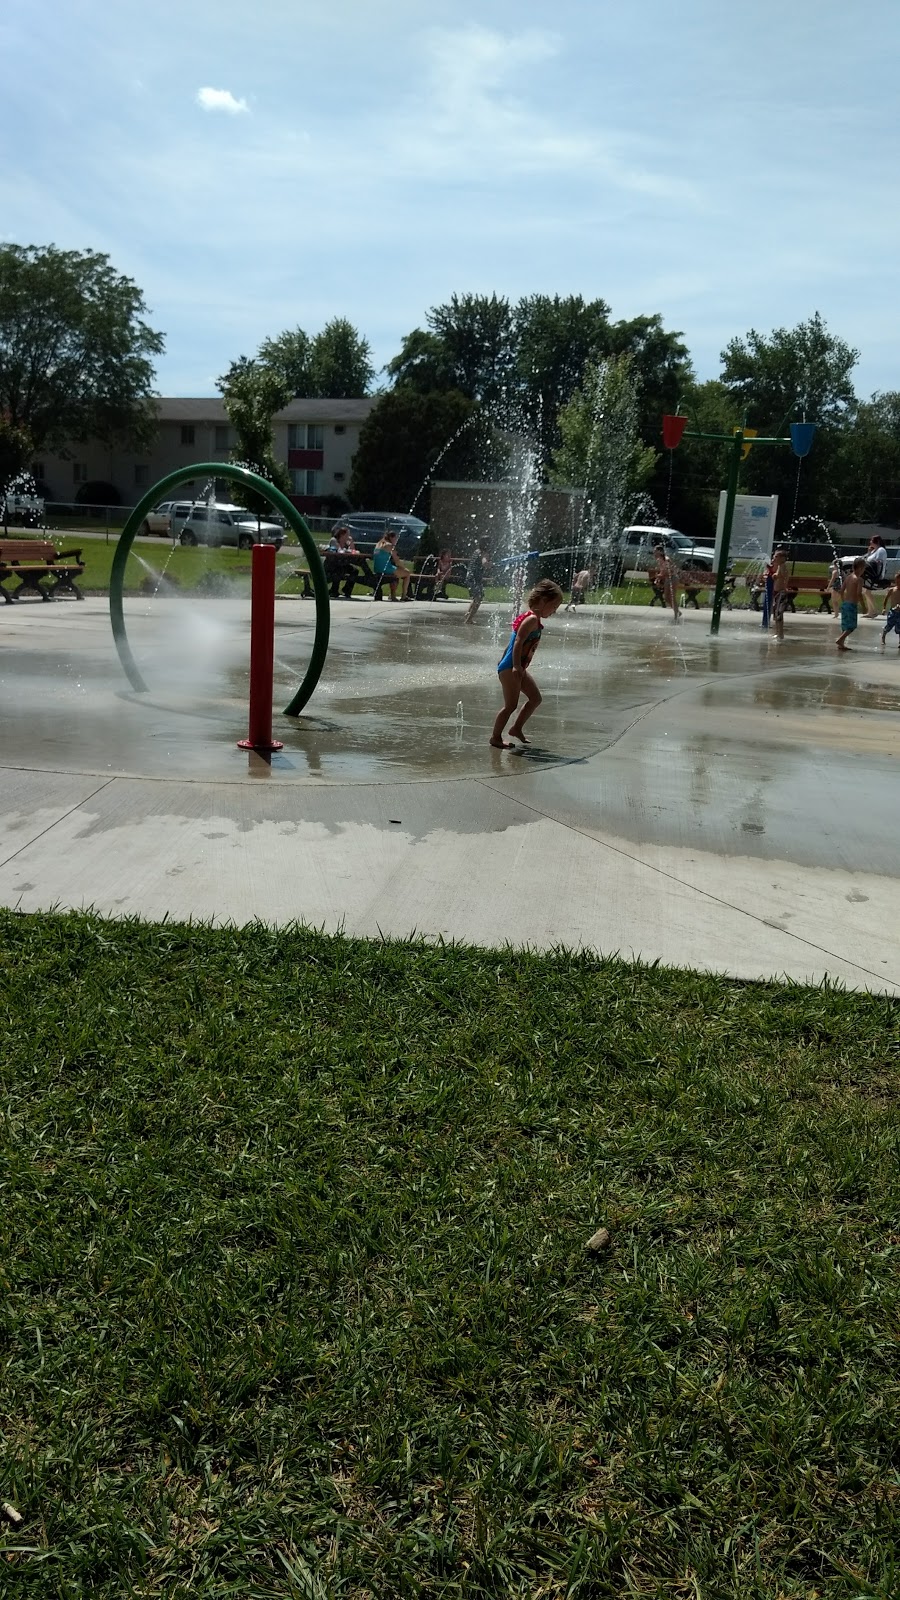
x=37 y=471
x=339 y=428
x=187 y=433
x=221 y=436
x=141 y=476
x=294 y=436
x=315 y=436
x=79 y=472
x=339 y=477
x=305 y=482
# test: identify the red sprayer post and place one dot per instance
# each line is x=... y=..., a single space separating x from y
x=262 y=650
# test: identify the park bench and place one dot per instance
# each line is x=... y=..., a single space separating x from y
x=691 y=582
x=32 y=561
x=796 y=585
x=306 y=576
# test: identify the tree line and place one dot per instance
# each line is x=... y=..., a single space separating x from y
x=77 y=362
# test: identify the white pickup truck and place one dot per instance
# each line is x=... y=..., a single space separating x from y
x=634 y=551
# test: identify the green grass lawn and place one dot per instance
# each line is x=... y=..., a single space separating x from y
x=295 y=1295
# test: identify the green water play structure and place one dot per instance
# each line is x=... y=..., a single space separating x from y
x=280 y=503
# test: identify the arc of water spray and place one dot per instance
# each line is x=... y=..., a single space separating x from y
x=281 y=503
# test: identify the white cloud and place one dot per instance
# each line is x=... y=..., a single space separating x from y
x=221 y=100
x=484 y=113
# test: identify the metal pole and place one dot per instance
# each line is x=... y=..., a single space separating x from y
x=730 y=496
x=262 y=650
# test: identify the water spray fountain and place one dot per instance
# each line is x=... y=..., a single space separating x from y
x=262 y=601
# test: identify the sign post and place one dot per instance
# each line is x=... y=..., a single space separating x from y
x=800 y=439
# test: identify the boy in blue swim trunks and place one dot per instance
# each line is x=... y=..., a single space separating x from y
x=512 y=668
x=850 y=595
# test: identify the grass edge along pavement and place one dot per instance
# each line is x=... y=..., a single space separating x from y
x=295 y=1293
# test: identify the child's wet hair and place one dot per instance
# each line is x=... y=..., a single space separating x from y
x=545 y=589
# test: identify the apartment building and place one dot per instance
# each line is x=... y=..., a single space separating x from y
x=315 y=439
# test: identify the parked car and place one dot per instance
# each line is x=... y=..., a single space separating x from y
x=222 y=524
x=22 y=510
x=159 y=520
x=634 y=551
x=367 y=527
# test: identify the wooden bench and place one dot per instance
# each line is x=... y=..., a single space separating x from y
x=691 y=582
x=32 y=561
x=306 y=575
x=796 y=585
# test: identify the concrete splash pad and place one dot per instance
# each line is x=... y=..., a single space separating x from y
x=724 y=804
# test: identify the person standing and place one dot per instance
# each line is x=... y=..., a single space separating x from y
x=443 y=574
x=475 y=582
x=873 y=575
x=512 y=668
x=850 y=600
x=581 y=584
x=835 y=584
x=781 y=597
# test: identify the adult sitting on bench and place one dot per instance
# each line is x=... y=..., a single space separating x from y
x=343 y=563
x=389 y=568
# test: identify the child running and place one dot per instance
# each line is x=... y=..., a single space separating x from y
x=892 y=607
x=512 y=669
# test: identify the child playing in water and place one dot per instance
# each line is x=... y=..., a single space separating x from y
x=892 y=607
x=475 y=582
x=512 y=669
x=581 y=584
x=443 y=573
x=850 y=600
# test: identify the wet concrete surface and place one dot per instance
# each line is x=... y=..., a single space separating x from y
x=700 y=785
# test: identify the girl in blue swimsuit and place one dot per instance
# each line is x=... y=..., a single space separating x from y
x=512 y=668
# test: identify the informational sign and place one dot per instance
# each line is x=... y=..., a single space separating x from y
x=753 y=527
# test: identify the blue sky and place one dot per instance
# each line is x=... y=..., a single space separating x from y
x=259 y=167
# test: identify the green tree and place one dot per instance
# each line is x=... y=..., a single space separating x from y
x=16 y=450
x=335 y=365
x=476 y=332
x=601 y=450
x=289 y=357
x=252 y=394
x=75 y=351
x=660 y=368
x=865 y=485
x=554 y=340
x=402 y=440
x=423 y=364
x=794 y=372
x=340 y=362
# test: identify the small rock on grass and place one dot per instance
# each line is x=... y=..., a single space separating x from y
x=601 y=1240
